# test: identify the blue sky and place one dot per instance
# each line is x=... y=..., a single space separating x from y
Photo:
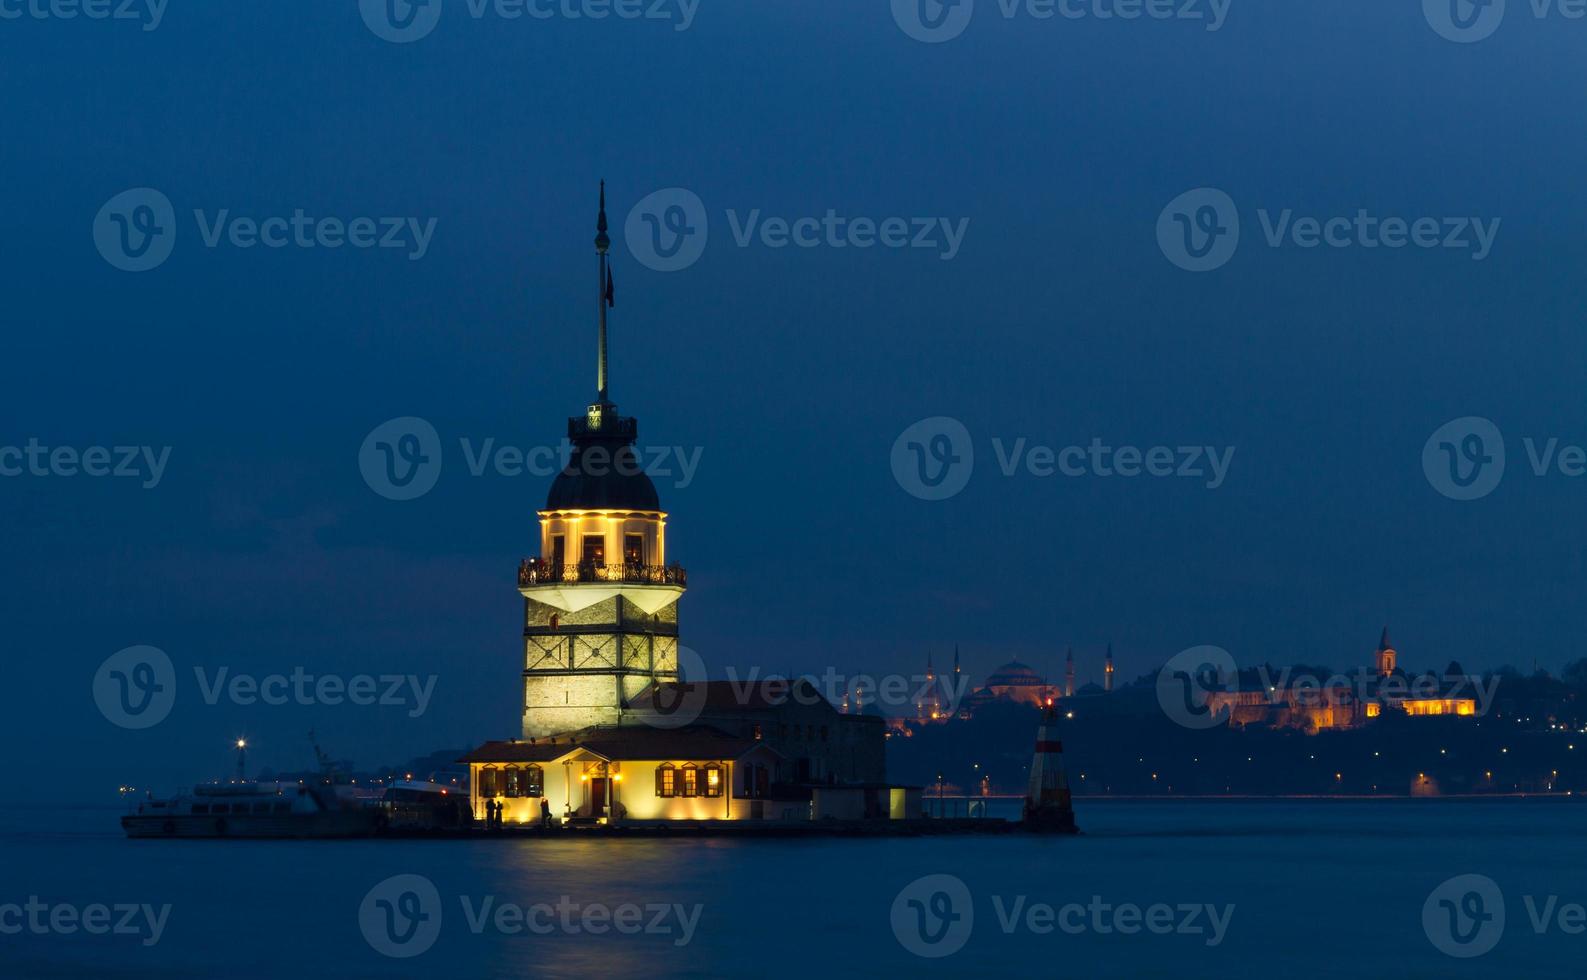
x=1054 y=144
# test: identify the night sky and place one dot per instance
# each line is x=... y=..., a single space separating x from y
x=793 y=370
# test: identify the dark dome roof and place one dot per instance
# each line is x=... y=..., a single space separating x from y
x=1014 y=674
x=614 y=479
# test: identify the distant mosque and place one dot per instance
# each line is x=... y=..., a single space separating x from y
x=947 y=697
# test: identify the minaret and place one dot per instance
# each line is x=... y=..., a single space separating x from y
x=1107 y=672
x=1387 y=658
x=1069 y=674
x=601 y=601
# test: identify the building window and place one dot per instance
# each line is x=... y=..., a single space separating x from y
x=666 y=780
x=510 y=783
x=559 y=554
x=487 y=782
x=713 y=780
x=534 y=781
x=757 y=733
x=633 y=549
x=595 y=549
x=691 y=780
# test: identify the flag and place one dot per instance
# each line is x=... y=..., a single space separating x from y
x=611 y=293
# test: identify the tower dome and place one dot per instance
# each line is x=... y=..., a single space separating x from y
x=604 y=472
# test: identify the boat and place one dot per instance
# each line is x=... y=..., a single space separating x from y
x=256 y=810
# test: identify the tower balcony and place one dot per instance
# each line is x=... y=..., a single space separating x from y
x=533 y=572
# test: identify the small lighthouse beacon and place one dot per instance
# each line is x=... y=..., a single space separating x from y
x=1048 y=807
x=601 y=601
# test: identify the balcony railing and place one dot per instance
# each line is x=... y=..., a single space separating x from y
x=539 y=571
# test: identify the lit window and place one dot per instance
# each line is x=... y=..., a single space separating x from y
x=534 y=781
x=713 y=780
x=510 y=789
x=666 y=780
x=487 y=782
x=691 y=781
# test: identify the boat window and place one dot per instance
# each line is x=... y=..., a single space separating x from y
x=200 y=809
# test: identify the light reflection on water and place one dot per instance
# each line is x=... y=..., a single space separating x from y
x=1336 y=886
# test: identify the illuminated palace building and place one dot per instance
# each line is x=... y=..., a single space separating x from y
x=610 y=729
x=1315 y=703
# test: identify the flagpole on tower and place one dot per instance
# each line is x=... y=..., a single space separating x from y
x=602 y=244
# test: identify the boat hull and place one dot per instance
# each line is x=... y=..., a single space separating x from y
x=349 y=823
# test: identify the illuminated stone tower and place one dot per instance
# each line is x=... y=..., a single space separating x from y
x=1387 y=659
x=601 y=602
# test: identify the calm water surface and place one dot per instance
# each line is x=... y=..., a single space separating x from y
x=1317 y=889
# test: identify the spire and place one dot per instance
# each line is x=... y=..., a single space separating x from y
x=1383 y=641
x=602 y=244
x=956 y=660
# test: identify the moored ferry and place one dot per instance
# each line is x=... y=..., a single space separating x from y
x=259 y=810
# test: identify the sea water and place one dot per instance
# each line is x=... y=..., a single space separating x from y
x=1172 y=889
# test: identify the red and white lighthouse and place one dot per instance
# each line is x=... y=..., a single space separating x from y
x=1048 y=807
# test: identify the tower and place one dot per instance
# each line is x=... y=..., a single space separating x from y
x=1069 y=674
x=1107 y=672
x=601 y=602
x=1387 y=659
